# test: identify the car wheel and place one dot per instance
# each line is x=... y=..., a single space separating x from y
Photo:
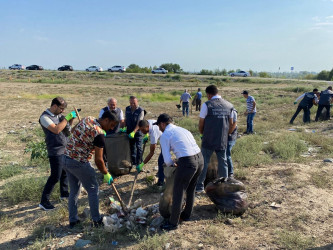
x=245 y=75
x=153 y=72
x=87 y=70
x=232 y=75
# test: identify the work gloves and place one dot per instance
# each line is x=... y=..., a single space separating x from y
x=139 y=167
x=70 y=116
x=201 y=135
x=295 y=103
x=108 y=179
x=123 y=130
x=131 y=135
x=145 y=138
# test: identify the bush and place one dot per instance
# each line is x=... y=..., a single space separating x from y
x=264 y=75
x=9 y=171
x=37 y=149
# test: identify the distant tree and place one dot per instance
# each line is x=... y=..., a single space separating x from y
x=231 y=71
x=206 y=72
x=224 y=72
x=172 y=67
x=264 y=75
x=330 y=76
x=133 y=68
x=323 y=75
x=251 y=72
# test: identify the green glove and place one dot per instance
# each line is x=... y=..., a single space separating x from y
x=131 y=135
x=201 y=135
x=108 y=179
x=70 y=116
x=145 y=138
x=295 y=103
x=139 y=167
x=123 y=130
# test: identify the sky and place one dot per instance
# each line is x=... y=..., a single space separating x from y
x=261 y=35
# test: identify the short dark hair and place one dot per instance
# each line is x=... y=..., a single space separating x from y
x=132 y=97
x=212 y=90
x=329 y=87
x=59 y=101
x=315 y=90
x=143 y=123
x=163 y=118
x=109 y=115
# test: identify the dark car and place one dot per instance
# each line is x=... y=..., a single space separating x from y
x=65 y=68
x=34 y=67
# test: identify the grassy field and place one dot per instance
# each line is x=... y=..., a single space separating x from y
x=281 y=164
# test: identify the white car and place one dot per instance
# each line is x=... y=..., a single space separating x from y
x=159 y=71
x=94 y=68
x=17 y=66
x=240 y=73
x=117 y=68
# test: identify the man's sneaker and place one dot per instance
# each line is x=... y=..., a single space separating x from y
x=64 y=197
x=73 y=224
x=98 y=223
x=167 y=226
x=199 y=191
x=46 y=206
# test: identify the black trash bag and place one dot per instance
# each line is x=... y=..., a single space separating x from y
x=118 y=154
x=228 y=195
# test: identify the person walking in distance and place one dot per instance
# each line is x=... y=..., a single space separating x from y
x=214 y=124
x=308 y=100
x=112 y=106
x=325 y=101
x=198 y=100
x=88 y=137
x=250 y=112
x=188 y=167
x=56 y=128
x=134 y=114
x=184 y=101
x=153 y=133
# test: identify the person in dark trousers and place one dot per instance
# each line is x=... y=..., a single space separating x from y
x=188 y=168
x=133 y=115
x=198 y=98
x=153 y=133
x=214 y=123
x=112 y=106
x=251 y=110
x=308 y=100
x=231 y=142
x=325 y=101
x=184 y=101
x=88 y=137
x=56 y=128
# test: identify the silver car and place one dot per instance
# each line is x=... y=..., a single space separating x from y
x=240 y=73
x=17 y=66
x=94 y=68
x=117 y=68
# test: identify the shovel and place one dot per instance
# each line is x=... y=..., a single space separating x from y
x=135 y=178
x=119 y=198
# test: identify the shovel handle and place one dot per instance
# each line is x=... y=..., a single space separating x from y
x=77 y=114
x=119 y=198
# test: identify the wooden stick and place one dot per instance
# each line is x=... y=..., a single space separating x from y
x=77 y=114
x=119 y=198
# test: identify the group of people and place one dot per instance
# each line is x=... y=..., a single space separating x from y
x=71 y=148
x=323 y=99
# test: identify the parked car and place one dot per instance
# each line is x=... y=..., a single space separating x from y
x=94 y=68
x=159 y=71
x=117 y=68
x=65 y=68
x=240 y=73
x=34 y=67
x=16 y=66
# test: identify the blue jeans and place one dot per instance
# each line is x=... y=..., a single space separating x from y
x=81 y=173
x=160 y=173
x=136 y=148
x=57 y=174
x=185 y=108
x=222 y=165
x=249 y=122
x=229 y=160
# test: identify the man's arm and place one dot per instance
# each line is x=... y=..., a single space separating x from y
x=201 y=125
x=166 y=151
x=99 y=160
x=300 y=97
x=232 y=125
x=254 y=106
x=57 y=128
x=142 y=115
x=151 y=153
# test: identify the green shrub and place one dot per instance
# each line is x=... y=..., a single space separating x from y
x=294 y=240
x=177 y=78
x=9 y=171
x=37 y=149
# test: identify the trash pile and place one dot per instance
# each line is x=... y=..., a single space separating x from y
x=137 y=215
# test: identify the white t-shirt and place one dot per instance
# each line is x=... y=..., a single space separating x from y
x=45 y=121
x=204 y=109
x=154 y=132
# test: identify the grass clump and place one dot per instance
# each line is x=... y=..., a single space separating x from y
x=294 y=240
x=26 y=189
x=9 y=171
x=156 y=241
x=321 y=180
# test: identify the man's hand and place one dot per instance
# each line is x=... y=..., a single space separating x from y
x=108 y=179
x=145 y=138
x=245 y=113
x=123 y=130
x=295 y=103
x=131 y=135
x=201 y=135
x=139 y=167
x=70 y=116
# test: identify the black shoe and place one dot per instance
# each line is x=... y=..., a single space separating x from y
x=98 y=223
x=183 y=217
x=46 y=206
x=167 y=226
x=73 y=224
x=64 y=197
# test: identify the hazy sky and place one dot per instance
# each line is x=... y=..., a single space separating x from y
x=261 y=35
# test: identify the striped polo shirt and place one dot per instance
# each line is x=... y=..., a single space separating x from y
x=249 y=104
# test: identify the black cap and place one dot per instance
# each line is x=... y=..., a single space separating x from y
x=245 y=92
x=163 y=118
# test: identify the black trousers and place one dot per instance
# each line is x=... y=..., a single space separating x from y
x=136 y=149
x=306 y=115
x=186 y=178
x=197 y=104
x=57 y=173
x=320 y=109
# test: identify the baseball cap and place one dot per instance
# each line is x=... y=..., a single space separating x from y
x=163 y=118
x=245 y=92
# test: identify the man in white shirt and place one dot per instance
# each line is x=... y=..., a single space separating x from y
x=189 y=166
x=153 y=132
x=112 y=106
